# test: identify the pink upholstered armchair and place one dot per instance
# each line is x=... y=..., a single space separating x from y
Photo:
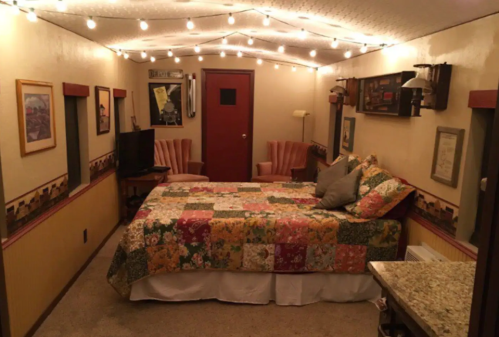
x=176 y=154
x=287 y=162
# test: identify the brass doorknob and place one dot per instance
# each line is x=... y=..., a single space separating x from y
x=244 y=136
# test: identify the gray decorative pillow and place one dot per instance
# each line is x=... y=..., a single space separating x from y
x=341 y=192
x=330 y=175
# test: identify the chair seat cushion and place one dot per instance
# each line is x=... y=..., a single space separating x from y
x=177 y=178
x=270 y=178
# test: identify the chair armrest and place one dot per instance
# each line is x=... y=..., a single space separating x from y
x=299 y=174
x=264 y=168
x=194 y=167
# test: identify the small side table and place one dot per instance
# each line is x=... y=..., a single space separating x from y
x=148 y=181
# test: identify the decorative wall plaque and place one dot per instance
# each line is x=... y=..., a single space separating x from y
x=166 y=74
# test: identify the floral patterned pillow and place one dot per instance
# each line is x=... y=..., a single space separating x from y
x=353 y=161
x=378 y=193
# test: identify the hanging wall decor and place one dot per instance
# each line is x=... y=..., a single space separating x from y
x=191 y=95
x=166 y=74
x=447 y=155
x=348 y=133
x=103 y=109
x=35 y=108
x=165 y=104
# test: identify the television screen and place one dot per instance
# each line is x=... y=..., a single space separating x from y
x=136 y=152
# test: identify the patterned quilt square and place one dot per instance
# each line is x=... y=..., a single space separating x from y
x=380 y=254
x=290 y=257
x=350 y=259
x=292 y=231
x=197 y=214
x=201 y=200
x=355 y=233
x=141 y=214
x=321 y=257
x=227 y=230
x=323 y=231
x=199 y=207
x=306 y=201
x=175 y=194
x=229 y=214
x=286 y=208
x=271 y=190
x=259 y=230
x=201 y=189
x=225 y=189
x=194 y=256
x=193 y=230
x=228 y=204
x=264 y=206
x=163 y=259
x=133 y=238
x=227 y=255
x=385 y=234
x=249 y=189
x=136 y=266
x=258 y=257
x=157 y=233
x=276 y=200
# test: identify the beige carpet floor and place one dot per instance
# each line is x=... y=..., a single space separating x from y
x=91 y=308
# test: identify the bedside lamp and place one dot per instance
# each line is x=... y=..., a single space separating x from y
x=301 y=114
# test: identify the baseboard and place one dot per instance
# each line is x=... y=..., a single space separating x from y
x=63 y=292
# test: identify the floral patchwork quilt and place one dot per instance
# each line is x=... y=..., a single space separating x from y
x=253 y=227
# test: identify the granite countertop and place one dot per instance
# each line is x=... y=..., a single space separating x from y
x=437 y=295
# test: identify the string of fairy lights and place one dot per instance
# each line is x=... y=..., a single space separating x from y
x=91 y=22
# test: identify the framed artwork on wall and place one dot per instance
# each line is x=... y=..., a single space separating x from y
x=36 y=114
x=166 y=105
x=348 y=133
x=103 y=109
x=447 y=155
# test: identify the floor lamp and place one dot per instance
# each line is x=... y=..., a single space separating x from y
x=301 y=114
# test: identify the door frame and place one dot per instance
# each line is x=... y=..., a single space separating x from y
x=4 y=306
x=204 y=116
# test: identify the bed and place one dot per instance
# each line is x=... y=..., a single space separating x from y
x=248 y=242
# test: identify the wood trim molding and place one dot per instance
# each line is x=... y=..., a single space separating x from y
x=444 y=236
x=333 y=99
x=482 y=99
x=68 y=286
x=28 y=227
x=119 y=93
x=78 y=90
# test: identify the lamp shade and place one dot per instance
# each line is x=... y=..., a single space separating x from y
x=418 y=83
x=301 y=113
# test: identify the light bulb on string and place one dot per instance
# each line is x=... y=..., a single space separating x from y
x=91 y=23
x=143 y=24
x=335 y=43
x=363 y=50
x=259 y=61
x=118 y=52
x=32 y=15
x=60 y=6
x=15 y=8
x=276 y=66
x=177 y=60
x=280 y=49
x=239 y=54
x=126 y=56
x=313 y=53
x=266 y=21
x=251 y=41
x=222 y=54
x=224 y=40
x=302 y=35
x=197 y=49
x=348 y=54
x=153 y=59
x=170 y=53
x=200 y=58
x=190 y=24
x=143 y=54
x=294 y=68
x=231 y=19
x=310 y=69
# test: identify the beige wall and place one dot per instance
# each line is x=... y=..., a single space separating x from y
x=42 y=262
x=277 y=94
x=405 y=145
x=44 y=52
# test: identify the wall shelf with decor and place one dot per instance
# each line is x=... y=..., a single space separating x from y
x=384 y=95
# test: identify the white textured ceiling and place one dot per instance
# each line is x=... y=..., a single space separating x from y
x=362 y=21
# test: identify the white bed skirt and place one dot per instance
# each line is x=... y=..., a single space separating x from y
x=256 y=288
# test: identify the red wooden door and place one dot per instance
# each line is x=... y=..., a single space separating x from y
x=228 y=124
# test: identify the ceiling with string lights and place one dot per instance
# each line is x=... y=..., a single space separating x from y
x=309 y=33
